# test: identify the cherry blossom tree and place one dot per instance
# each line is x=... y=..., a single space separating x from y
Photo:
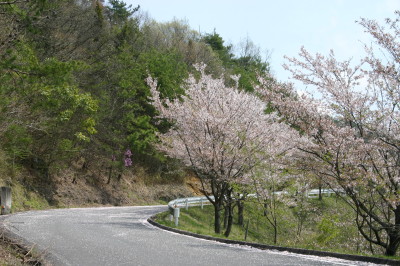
x=353 y=130
x=222 y=133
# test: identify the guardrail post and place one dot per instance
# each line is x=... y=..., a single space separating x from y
x=186 y=204
x=176 y=216
x=5 y=200
x=201 y=203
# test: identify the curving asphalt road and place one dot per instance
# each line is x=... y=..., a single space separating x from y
x=122 y=236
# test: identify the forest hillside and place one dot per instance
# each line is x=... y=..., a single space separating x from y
x=76 y=123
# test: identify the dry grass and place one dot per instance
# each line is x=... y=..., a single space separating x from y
x=13 y=253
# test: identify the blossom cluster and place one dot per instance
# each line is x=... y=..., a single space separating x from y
x=127 y=158
x=221 y=130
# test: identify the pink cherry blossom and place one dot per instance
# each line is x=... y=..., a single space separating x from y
x=222 y=133
x=353 y=129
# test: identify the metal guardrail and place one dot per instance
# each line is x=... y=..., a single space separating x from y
x=313 y=193
x=201 y=201
x=186 y=202
x=176 y=204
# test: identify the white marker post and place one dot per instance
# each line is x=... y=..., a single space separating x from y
x=5 y=200
x=176 y=216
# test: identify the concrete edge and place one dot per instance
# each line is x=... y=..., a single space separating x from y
x=350 y=257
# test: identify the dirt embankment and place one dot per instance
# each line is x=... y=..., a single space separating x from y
x=83 y=185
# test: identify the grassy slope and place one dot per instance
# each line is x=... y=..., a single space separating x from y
x=328 y=226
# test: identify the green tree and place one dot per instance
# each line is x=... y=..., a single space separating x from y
x=119 y=12
x=216 y=43
x=42 y=99
x=249 y=65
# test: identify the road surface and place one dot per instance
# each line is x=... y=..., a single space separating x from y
x=122 y=236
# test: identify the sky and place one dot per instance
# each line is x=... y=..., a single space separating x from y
x=279 y=27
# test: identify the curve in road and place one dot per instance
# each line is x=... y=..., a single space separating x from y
x=122 y=236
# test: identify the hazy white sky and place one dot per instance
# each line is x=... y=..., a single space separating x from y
x=279 y=26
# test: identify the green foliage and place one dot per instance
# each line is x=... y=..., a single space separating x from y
x=248 y=66
x=141 y=133
x=126 y=115
x=169 y=69
x=328 y=229
x=217 y=44
x=16 y=142
x=119 y=12
x=42 y=98
x=72 y=79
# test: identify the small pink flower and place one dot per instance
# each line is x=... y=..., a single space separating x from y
x=128 y=153
x=128 y=162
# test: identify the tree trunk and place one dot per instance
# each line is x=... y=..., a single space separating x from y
x=320 y=192
x=217 y=218
x=226 y=214
x=394 y=235
x=230 y=219
x=275 y=224
x=265 y=209
x=299 y=226
x=393 y=245
x=218 y=190
x=240 y=205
